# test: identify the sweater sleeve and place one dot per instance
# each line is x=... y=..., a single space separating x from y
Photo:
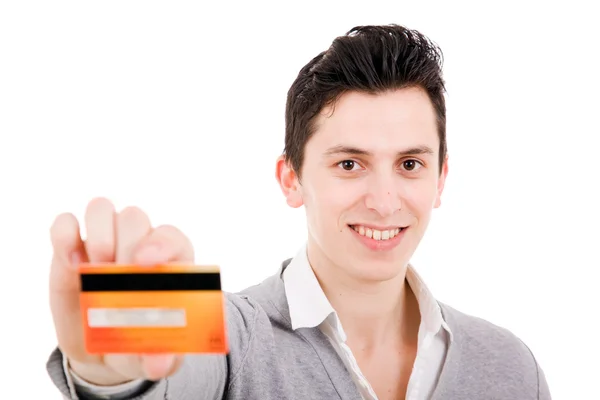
x=543 y=389
x=201 y=377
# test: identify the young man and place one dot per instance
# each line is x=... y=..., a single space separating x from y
x=348 y=317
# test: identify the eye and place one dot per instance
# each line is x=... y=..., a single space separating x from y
x=348 y=165
x=411 y=165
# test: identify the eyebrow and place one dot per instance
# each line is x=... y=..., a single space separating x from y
x=355 y=151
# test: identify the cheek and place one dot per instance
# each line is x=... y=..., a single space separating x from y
x=338 y=196
x=327 y=202
x=420 y=199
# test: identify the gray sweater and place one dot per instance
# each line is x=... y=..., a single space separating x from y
x=269 y=360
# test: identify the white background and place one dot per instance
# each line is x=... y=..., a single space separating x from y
x=179 y=109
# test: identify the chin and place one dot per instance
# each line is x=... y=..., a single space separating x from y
x=376 y=270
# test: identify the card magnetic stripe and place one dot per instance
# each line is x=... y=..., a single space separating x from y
x=128 y=282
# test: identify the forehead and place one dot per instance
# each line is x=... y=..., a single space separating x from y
x=383 y=122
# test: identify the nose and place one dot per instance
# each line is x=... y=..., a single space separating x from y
x=383 y=195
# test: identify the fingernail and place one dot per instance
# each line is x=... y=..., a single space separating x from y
x=149 y=254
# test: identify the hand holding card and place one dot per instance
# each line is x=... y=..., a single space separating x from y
x=101 y=353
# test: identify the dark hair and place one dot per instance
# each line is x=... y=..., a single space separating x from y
x=370 y=59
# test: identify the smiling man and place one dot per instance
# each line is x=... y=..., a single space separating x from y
x=348 y=317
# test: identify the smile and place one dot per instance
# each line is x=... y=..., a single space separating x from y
x=376 y=234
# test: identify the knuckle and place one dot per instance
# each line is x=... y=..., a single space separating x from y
x=175 y=239
x=168 y=230
x=171 y=234
x=99 y=204
x=63 y=228
x=132 y=215
x=62 y=221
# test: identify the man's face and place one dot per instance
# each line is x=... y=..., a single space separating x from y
x=369 y=182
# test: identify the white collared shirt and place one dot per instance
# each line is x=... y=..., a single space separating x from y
x=309 y=308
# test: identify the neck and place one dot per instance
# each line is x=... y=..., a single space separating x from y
x=371 y=313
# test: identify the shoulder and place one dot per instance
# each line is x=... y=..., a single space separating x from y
x=244 y=316
x=482 y=336
x=251 y=313
x=493 y=353
x=250 y=330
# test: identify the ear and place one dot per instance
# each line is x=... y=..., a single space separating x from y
x=441 y=184
x=289 y=183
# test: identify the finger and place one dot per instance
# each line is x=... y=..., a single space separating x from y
x=100 y=228
x=68 y=251
x=165 y=244
x=132 y=226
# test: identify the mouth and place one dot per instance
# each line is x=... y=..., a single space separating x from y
x=378 y=234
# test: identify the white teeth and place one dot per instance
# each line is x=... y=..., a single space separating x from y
x=376 y=234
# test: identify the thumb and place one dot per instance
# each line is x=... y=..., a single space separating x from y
x=149 y=366
x=158 y=366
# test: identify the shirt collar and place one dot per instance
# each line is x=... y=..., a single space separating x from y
x=307 y=302
x=309 y=306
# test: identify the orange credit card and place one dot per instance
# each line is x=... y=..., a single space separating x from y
x=157 y=309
